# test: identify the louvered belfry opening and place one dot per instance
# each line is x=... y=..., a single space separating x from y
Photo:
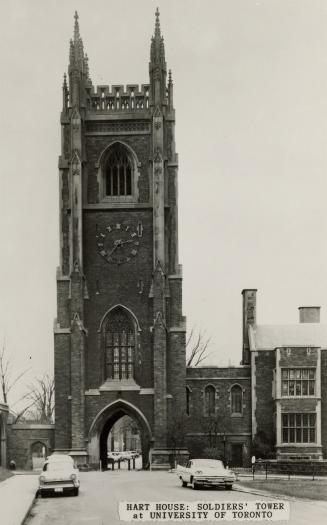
x=119 y=171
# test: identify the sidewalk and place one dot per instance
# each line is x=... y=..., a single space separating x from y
x=16 y=497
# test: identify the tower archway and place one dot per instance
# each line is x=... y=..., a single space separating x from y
x=103 y=424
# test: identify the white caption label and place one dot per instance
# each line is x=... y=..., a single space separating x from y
x=204 y=510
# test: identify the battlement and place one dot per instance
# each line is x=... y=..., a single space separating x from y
x=119 y=98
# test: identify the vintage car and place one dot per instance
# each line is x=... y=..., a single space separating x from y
x=59 y=476
x=114 y=456
x=206 y=473
x=60 y=457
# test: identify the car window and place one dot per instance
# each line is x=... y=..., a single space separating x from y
x=57 y=466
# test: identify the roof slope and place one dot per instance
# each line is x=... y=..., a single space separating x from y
x=269 y=337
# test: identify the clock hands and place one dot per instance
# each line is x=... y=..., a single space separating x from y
x=124 y=254
x=124 y=242
x=118 y=243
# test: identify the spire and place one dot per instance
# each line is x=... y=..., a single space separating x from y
x=78 y=67
x=76 y=28
x=157 y=33
x=158 y=68
x=64 y=93
x=76 y=54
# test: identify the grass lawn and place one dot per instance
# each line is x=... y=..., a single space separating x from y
x=4 y=474
x=298 y=488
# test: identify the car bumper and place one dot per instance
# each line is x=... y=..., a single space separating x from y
x=59 y=488
x=213 y=482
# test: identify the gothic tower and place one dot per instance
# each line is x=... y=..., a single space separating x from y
x=119 y=332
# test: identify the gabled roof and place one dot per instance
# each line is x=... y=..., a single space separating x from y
x=269 y=337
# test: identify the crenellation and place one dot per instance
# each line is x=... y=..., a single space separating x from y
x=105 y=98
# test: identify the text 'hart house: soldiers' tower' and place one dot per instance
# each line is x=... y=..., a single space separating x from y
x=119 y=333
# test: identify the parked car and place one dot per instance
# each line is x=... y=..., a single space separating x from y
x=206 y=473
x=59 y=476
x=60 y=458
x=134 y=454
x=114 y=456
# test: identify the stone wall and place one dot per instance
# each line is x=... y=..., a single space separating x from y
x=22 y=437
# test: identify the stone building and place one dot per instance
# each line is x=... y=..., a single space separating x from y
x=120 y=333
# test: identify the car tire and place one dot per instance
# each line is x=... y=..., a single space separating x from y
x=228 y=487
x=195 y=486
x=76 y=491
x=184 y=483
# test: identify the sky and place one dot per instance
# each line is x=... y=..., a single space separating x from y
x=250 y=92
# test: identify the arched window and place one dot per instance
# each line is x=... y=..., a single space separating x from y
x=236 y=399
x=188 y=401
x=119 y=345
x=118 y=172
x=209 y=400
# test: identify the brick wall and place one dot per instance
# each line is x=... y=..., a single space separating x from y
x=265 y=364
x=237 y=429
x=20 y=439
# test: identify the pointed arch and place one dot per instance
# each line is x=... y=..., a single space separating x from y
x=118 y=172
x=236 y=399
x=105 y=420
x=209 y=400
x=119 y=305
x=119 y=329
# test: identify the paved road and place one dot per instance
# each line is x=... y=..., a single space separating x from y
x=101 y=492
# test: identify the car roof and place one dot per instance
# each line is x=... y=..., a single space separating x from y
x=59 y=457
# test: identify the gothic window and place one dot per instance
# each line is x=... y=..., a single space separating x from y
x=209 y=400
x=119 y=345
x=118 y=172
x=299 y=428
x=236 y=399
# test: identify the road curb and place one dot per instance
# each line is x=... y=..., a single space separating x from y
x=255 y=492
x=29 y=508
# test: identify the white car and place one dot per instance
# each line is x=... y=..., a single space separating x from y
x=114 y=456
x=206 y=473
x=59 y=476
x=60 y=458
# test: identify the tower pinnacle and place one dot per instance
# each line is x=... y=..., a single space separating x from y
x=157 y=33
x=158 y=68
x=76 y=28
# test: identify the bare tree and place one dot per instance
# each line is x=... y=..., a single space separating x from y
x=7 y=379
x=197 y=348
x=40 y=399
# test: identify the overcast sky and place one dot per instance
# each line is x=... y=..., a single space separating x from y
x=250 y=91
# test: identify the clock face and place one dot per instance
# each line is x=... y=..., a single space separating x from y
x=119 y=243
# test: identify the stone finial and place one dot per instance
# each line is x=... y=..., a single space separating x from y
x=76 y=28
x=157 y=24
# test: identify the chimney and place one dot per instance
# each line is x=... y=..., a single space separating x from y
x=309 y=314
x=249 y=317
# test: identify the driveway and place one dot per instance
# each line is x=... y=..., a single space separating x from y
x=101 y=492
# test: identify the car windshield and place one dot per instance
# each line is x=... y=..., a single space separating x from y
x=57 y=466
x=208 y=463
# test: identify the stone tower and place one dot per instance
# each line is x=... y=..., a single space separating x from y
x=119 y=332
